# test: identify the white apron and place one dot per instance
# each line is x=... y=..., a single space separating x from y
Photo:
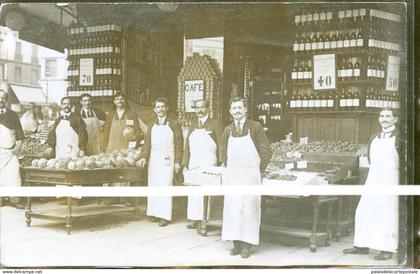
x=67 y=141
x=376 y=221
x=242 y=214
x=93 y=128
x=203 y=153
x=9 y=163
x=161 y=170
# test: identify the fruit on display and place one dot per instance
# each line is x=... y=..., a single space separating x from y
x=117 y=159
x=281 y=177
x=33 y=147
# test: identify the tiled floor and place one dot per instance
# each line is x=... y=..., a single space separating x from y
x=123 y=240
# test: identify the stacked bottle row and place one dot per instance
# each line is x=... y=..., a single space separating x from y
x=347 y=99
x=101 y=44
x=319 y=17
x=348 y=39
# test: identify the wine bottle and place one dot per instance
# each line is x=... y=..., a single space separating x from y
x=308 y=43
x=295 y=71
x=320 y=41
x=327 y=41
x=353 y=39
x=359 y=38
x=314 y=43
x=330 y=101
x=334 y=41
x=340 y=40
x=306 y=71
x=346 y=40
x=356 y=70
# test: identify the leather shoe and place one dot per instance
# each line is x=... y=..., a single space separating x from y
x=356 y=250
x=383 y=255
x=245 y=253
x=235 y=251
x=192 y=225
x=163 y=223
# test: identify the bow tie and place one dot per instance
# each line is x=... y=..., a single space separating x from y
x=65 y=117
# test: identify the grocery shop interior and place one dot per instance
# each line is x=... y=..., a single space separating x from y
x=315 y=77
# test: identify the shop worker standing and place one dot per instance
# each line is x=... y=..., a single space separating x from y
x=163 y=151
x=246 y=152
x=201 y=150
x=94 y=119
x=376 y=221
x=122 y=128
x=11 y=136
x=69 y=136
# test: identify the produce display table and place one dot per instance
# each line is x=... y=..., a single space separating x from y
x=39 y=176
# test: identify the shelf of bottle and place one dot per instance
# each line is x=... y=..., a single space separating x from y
x=345 y=25
x=353 y=51
x=375 y=82
x=335 y=111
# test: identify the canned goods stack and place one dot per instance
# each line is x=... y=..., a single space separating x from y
x=200 y=78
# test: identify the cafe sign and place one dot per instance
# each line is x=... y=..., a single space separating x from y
x=194 y=91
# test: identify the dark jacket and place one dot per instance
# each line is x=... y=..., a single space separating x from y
x=127 y=115
x=99 y=113
x=178 y=139
x=78 y=125
x=10 y=120
x=398 y=143
x=258 y=136
x=210 y=125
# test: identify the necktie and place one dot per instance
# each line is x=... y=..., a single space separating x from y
x=90 y=113
x=65 y=117
x=238 y=128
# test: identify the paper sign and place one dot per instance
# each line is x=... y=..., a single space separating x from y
x=86 y=72
x=290 y=154
x=298 y=154
x=289 y=166
x=194 y=90
x=129 y=122
x=302 y=164
x=131 y=144
x=303 y=141
x=324 y=72
x=393 y=73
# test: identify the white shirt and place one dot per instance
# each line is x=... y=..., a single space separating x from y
x=120 y=113
x=66 y=114
x=161 y=120
x=386 y=132
x=203 y=119
x=241 y=123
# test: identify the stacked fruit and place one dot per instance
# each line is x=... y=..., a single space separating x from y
x=117 y=159
x=31 y=147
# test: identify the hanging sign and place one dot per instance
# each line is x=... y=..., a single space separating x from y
x=393 y=73
x=86 y=72
x=324 y=72
x=194 y=90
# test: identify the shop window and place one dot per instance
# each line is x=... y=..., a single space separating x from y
x=51 y=68
x=18 y=51
x=34 y=77
x=212 y=46
x=34 y=58
x=18 y=74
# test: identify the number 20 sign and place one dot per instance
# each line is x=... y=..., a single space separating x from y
x=324 y=72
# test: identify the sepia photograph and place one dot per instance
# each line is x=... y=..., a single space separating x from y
x=169 y=95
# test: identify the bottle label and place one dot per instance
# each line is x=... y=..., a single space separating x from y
x=370 y=43
x=322 y=16
x=309 y=74
x=349 y=73
x=333 y=44
x=346 y=43
x=339 y=73
x=369 y=72
x=340 y=44
x=327 y=45
x=317 y=103
x=294 y=75
x=293 y=104
x=360 y=42
x=368 y=103
x=301 y=46
x=305 y=103
x=356 y=72
x=311 y=103
x=356 y=102
x=314 y=46
x=323 y=103
x=343 y=102
x=353 y=42
x=295 y=47
x=329 y=15
x=306 y=75
x=300 y=75
x=299 y=103
x=308 y=46
x=349 y=102
x=330 y=103
x=320 y=45
x=374 y=73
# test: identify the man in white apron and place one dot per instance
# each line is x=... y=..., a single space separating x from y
x=376 y=221
x=201 y=150
x=163 y=151
x=246 y=152
x=94 y=119
x=69 y=136
x=11 y=136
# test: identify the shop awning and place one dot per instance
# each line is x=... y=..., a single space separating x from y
x=27 y=95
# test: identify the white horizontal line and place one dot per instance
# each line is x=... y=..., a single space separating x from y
x=401 y=190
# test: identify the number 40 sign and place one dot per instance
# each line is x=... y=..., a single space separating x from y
x=324 y=72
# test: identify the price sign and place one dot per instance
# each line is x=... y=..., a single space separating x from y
x=86 y=72
x=324 y=72
x=393 y=73
x=194 y=90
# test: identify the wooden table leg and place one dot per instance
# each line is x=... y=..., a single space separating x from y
x=68 y=217
x=28 y=211
x=328 y=228
x=203 y=225
x=313 y=240
x=338 y=229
